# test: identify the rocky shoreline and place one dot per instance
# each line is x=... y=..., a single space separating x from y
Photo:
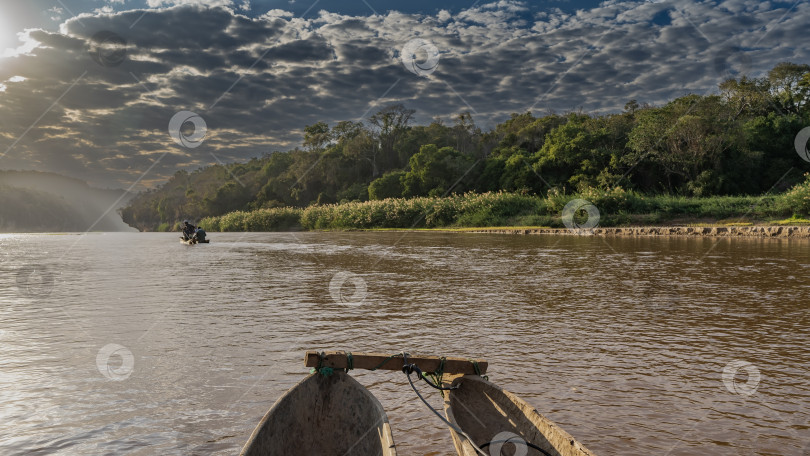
x=715 y=231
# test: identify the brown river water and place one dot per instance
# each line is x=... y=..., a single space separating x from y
x=136 y=344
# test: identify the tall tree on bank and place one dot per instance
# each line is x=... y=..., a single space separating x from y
x=388 y=126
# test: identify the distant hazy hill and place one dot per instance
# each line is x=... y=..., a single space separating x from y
x=34 y=201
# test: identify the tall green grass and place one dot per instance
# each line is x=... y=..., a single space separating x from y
x=275 y=219
x=458 y=210
x=616 y=207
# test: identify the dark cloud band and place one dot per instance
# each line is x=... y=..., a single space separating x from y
x=258 y=81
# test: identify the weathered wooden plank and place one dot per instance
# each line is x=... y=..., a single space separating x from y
x=360 y=360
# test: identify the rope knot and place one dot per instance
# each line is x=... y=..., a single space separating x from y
x=321 y=369
x=325 y=371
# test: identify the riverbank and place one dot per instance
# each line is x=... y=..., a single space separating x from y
x=615 y=210
x=715 y=231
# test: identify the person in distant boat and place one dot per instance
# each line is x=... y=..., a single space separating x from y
x=188 y=230
x=199 y=234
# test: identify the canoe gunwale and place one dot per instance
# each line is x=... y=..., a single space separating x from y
x=513 y=414
x=379 y=416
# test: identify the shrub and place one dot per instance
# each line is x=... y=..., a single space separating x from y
x=795 y=201
x=610 y=201
x=387 y=186
x=274 y=219
x=210 y=224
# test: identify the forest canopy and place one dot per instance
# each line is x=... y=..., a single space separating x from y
x=739 y=141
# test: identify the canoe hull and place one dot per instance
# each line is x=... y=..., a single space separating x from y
x=192 y=242
x=483 y=410
x=332 y=415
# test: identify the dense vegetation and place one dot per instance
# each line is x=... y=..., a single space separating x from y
x=737 y=142
x=616 y=207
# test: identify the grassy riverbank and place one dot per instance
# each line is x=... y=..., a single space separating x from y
x=616 y=207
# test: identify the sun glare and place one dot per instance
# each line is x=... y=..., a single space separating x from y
x=11 y=43
x=8 y=37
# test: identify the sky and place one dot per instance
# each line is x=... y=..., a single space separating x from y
x=124 y=93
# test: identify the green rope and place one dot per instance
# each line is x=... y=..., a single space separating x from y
x=349 y=361
x=326 y=371
x=385 y=361
x=438 y=374
x=321 y=369
x=478 y=369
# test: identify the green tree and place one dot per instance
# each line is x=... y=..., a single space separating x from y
x=231 y=196
x=387 y=186
x=317 y=136
x=436 y=172
x=771 y=138
x=389 y=124
x=785 y=80
x=747 y=97
x=687 y=141
x=574 y=153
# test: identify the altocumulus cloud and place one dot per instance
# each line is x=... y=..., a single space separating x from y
x=258 y=80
